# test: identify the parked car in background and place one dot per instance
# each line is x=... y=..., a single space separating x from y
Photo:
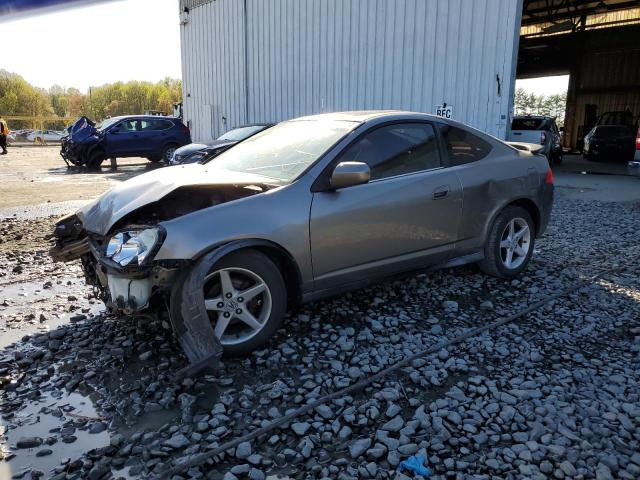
x=203 y=152
x=541 y=130
x=615 y=137
x=43 y=136
x=307 y=209
x=152 y=137
x=611 y=143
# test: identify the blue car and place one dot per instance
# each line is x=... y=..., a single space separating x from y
x=152 y=137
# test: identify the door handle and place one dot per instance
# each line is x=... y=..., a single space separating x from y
x=441 y=192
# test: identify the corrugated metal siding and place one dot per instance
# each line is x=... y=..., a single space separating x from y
x=309 y=56
x=213 y=68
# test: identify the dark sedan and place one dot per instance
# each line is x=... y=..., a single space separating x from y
x=203 y=152
x=610 y=143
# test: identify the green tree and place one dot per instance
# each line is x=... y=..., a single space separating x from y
x=549 y=105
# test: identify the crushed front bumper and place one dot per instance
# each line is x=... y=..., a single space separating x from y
x=123 y=289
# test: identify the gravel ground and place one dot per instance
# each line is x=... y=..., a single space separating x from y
x=553 y=395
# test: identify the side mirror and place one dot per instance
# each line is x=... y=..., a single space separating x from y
x=347 y=174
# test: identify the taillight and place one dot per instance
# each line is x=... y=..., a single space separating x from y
x=543 y=138
x=638 y=140
x=549 y=179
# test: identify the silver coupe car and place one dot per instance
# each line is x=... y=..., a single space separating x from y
x=307 y=209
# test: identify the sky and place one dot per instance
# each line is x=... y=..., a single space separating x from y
x=545 y=85
x=118 y=41
x=94 y=45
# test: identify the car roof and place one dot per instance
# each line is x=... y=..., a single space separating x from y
x=253 y=125
x=366 y=115
x=142 y=117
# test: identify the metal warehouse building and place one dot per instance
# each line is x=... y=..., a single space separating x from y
x=248 y=61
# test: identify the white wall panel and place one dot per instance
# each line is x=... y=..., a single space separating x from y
x=269 y=60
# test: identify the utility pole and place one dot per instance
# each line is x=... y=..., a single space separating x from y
x=91 y=105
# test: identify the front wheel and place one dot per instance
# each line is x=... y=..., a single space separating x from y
x=510 y=243
x=95 y=160
x=240 y=300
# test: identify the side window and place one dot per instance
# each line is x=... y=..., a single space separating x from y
x=127 y=126
x=464 y=147
x=158 y=125
x=396 y=150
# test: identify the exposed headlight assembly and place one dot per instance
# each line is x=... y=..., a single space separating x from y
x=196 y=157
x=132 y=246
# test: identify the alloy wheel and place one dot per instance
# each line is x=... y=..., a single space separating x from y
x=515 y=243
x=168 y=153
x=238 y=302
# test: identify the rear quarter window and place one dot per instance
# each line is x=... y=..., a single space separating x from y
x=463 y=146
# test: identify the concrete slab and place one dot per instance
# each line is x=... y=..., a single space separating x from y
x=604 y=182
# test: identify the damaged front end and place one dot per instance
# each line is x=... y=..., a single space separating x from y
x=118 y=266
x=119 y=262
x=76 y=146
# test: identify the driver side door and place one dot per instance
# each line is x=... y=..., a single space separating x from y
x=121 y=138
x=404 y=218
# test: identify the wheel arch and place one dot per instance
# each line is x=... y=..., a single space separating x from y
x=528 y=204
x=531 y=207
x=279 y=255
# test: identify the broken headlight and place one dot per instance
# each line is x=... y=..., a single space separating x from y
x=132 y=246
x=196 y=157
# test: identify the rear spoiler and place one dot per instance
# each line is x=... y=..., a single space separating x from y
x=532 y=148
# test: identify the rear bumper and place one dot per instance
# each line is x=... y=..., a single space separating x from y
x=545 y=211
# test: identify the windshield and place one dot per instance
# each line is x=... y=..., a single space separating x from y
x=528 y=124
x=238 y=134
x=106 y=123
x=283 y=152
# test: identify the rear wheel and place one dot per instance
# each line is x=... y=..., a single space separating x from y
x=240 y=300
x=510 y=243
x=167 y=153
x=558 y=158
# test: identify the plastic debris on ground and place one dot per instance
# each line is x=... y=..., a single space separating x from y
x=415 y=464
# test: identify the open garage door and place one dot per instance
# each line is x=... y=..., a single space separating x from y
x=596 y=43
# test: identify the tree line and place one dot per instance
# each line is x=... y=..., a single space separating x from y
x=19 y=98
x=548 y=105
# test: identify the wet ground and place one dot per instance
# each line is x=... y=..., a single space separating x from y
x=88 y=395
x=38 y=175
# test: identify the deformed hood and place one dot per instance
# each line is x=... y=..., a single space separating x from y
x=101 y=214
x=82 y=129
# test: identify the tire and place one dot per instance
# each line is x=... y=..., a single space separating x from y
x=95 y=160
x=558 y=159
x=166 y=154
x=195 y=326
x=496 y=257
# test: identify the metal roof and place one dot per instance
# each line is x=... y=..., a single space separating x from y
x=559 y=11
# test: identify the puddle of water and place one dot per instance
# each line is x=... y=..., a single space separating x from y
x=31 y=297
x=37 y=419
